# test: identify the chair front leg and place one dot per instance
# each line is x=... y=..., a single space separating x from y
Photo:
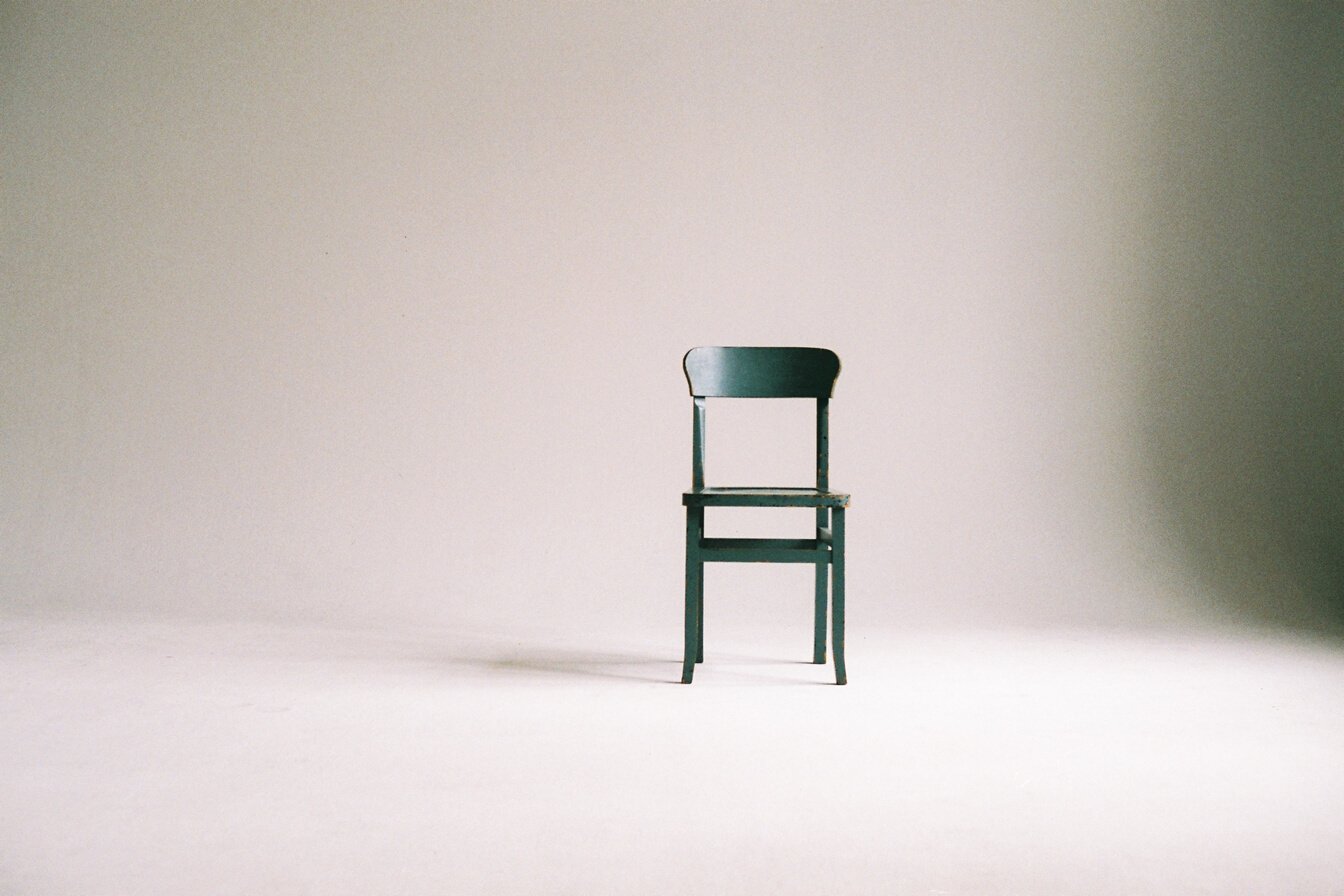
x=700 y=613
x=694 y=525
x=819 y=606
x=838 y=592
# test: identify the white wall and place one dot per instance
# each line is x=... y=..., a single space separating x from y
x=375 y=314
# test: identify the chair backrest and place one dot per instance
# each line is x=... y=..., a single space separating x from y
x=760 y=372
x=757 y=372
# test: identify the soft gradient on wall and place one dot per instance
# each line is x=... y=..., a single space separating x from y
x=375 y=314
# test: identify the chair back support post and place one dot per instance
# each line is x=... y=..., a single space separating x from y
x=823 y=516
x=823 y=444
x=698 y=446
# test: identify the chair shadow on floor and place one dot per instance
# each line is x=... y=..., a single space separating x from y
x=585 y=664
x=610 y=665
x=502 y=653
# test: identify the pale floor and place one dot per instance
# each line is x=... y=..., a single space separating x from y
x=160 y=759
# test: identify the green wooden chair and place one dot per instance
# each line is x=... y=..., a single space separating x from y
x=722 y=372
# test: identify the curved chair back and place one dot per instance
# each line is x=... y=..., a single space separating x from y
x=751 y=372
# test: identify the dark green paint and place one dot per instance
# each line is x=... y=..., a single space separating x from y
x=751 y=372
x=695 y=571
x=838 y=593
x=738 y=372
x=764 y=550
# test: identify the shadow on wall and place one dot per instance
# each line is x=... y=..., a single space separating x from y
x=1244 y=425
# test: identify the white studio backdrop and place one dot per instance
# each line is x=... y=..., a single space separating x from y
x=375 y=315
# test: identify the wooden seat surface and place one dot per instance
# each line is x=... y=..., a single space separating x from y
x=764 y=497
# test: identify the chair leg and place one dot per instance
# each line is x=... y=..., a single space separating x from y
x=700 y=613
x=838 y=592
x=694 y=519
x=819 y=606
x=819 y=617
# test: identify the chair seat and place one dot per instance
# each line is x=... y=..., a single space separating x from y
x=764 y=497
